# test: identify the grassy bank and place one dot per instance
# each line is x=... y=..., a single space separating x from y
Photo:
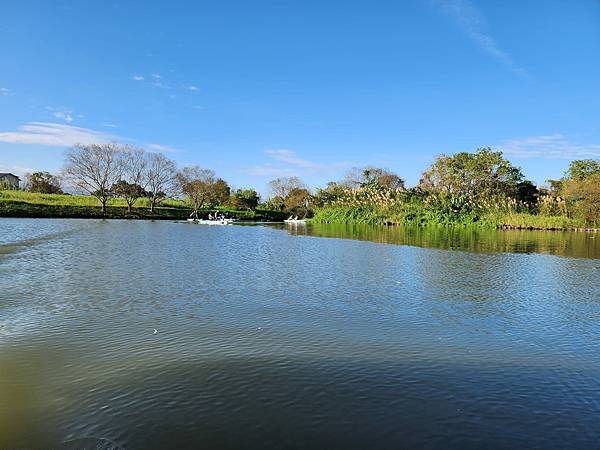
x=27 y=204
x=422 y=215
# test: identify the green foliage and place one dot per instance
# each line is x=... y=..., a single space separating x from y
x=583 y=197
x=245 y=199
x=472 y=174
x=43 y=183
x=296 y=202
x=582 y=169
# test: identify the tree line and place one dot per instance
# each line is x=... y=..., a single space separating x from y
x=454 y=182
x=107 y=171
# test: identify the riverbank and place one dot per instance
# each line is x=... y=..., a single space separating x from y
x=414 y=215
x=30 y=205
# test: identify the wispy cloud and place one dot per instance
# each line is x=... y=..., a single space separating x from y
x=158 y=81
x=62 y=135
x=5 y=91
x=20 y=171
x=158 y=148
x=110 y=125
x=554 y=146
x=65 y=115
x=54 y=134
x=290 y=157
x=473 y=23
x=287 y=163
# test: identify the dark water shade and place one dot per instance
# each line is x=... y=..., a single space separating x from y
x=267 y=339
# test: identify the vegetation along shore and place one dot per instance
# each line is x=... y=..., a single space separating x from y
x=478 y=189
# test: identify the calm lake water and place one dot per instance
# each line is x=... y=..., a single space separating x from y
x=304 y=338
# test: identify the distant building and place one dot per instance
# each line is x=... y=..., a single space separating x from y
x=10 y=180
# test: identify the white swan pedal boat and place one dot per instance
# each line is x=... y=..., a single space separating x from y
x=296 y=221
x=211 y=222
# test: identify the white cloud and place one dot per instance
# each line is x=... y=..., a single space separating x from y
x=19 y=171
x=161 y=148
x=473 y=24
x=289 y=157
x=554 y=146
x=5 y=91
x=289 y=164
x=62 y=135
x=138 y=77
x=54 y=134
x=192 y=88
x=65 y=115
x=110 y=125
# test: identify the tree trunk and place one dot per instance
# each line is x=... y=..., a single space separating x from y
x=103 y=202
x=152 y=201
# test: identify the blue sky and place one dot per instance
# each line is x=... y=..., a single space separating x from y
x=262 y=89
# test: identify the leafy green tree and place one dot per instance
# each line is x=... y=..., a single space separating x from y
x=581 y=189
x=332 y=192
x=245 y=198
x=582 y=169
x=221 y=192
x=43 y=183
x=128 y=191
x=296 y=201
x=583 y=195
x=482 y=173
x=528 y=193
x=275 y=203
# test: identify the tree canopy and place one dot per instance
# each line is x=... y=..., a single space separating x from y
x=43 y=183
x=484 y=172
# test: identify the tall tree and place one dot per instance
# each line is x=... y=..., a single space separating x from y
x=582 y=169
x=94 y=169
x=245 y=198
x=160 y=176
x=484 y=172
x=221 y=192
x=296 y=201
x=133 y=180
x=43 y=183
x=581 y=188
x=281 y=187
x=201 y=187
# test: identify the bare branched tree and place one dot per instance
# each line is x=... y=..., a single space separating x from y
x=160 y=174
x=281 y=187
x=133 y=180
x=362 y=176
x=94 y=169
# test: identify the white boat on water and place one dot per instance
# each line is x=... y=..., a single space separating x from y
x=295 y=221
x=211 y=222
